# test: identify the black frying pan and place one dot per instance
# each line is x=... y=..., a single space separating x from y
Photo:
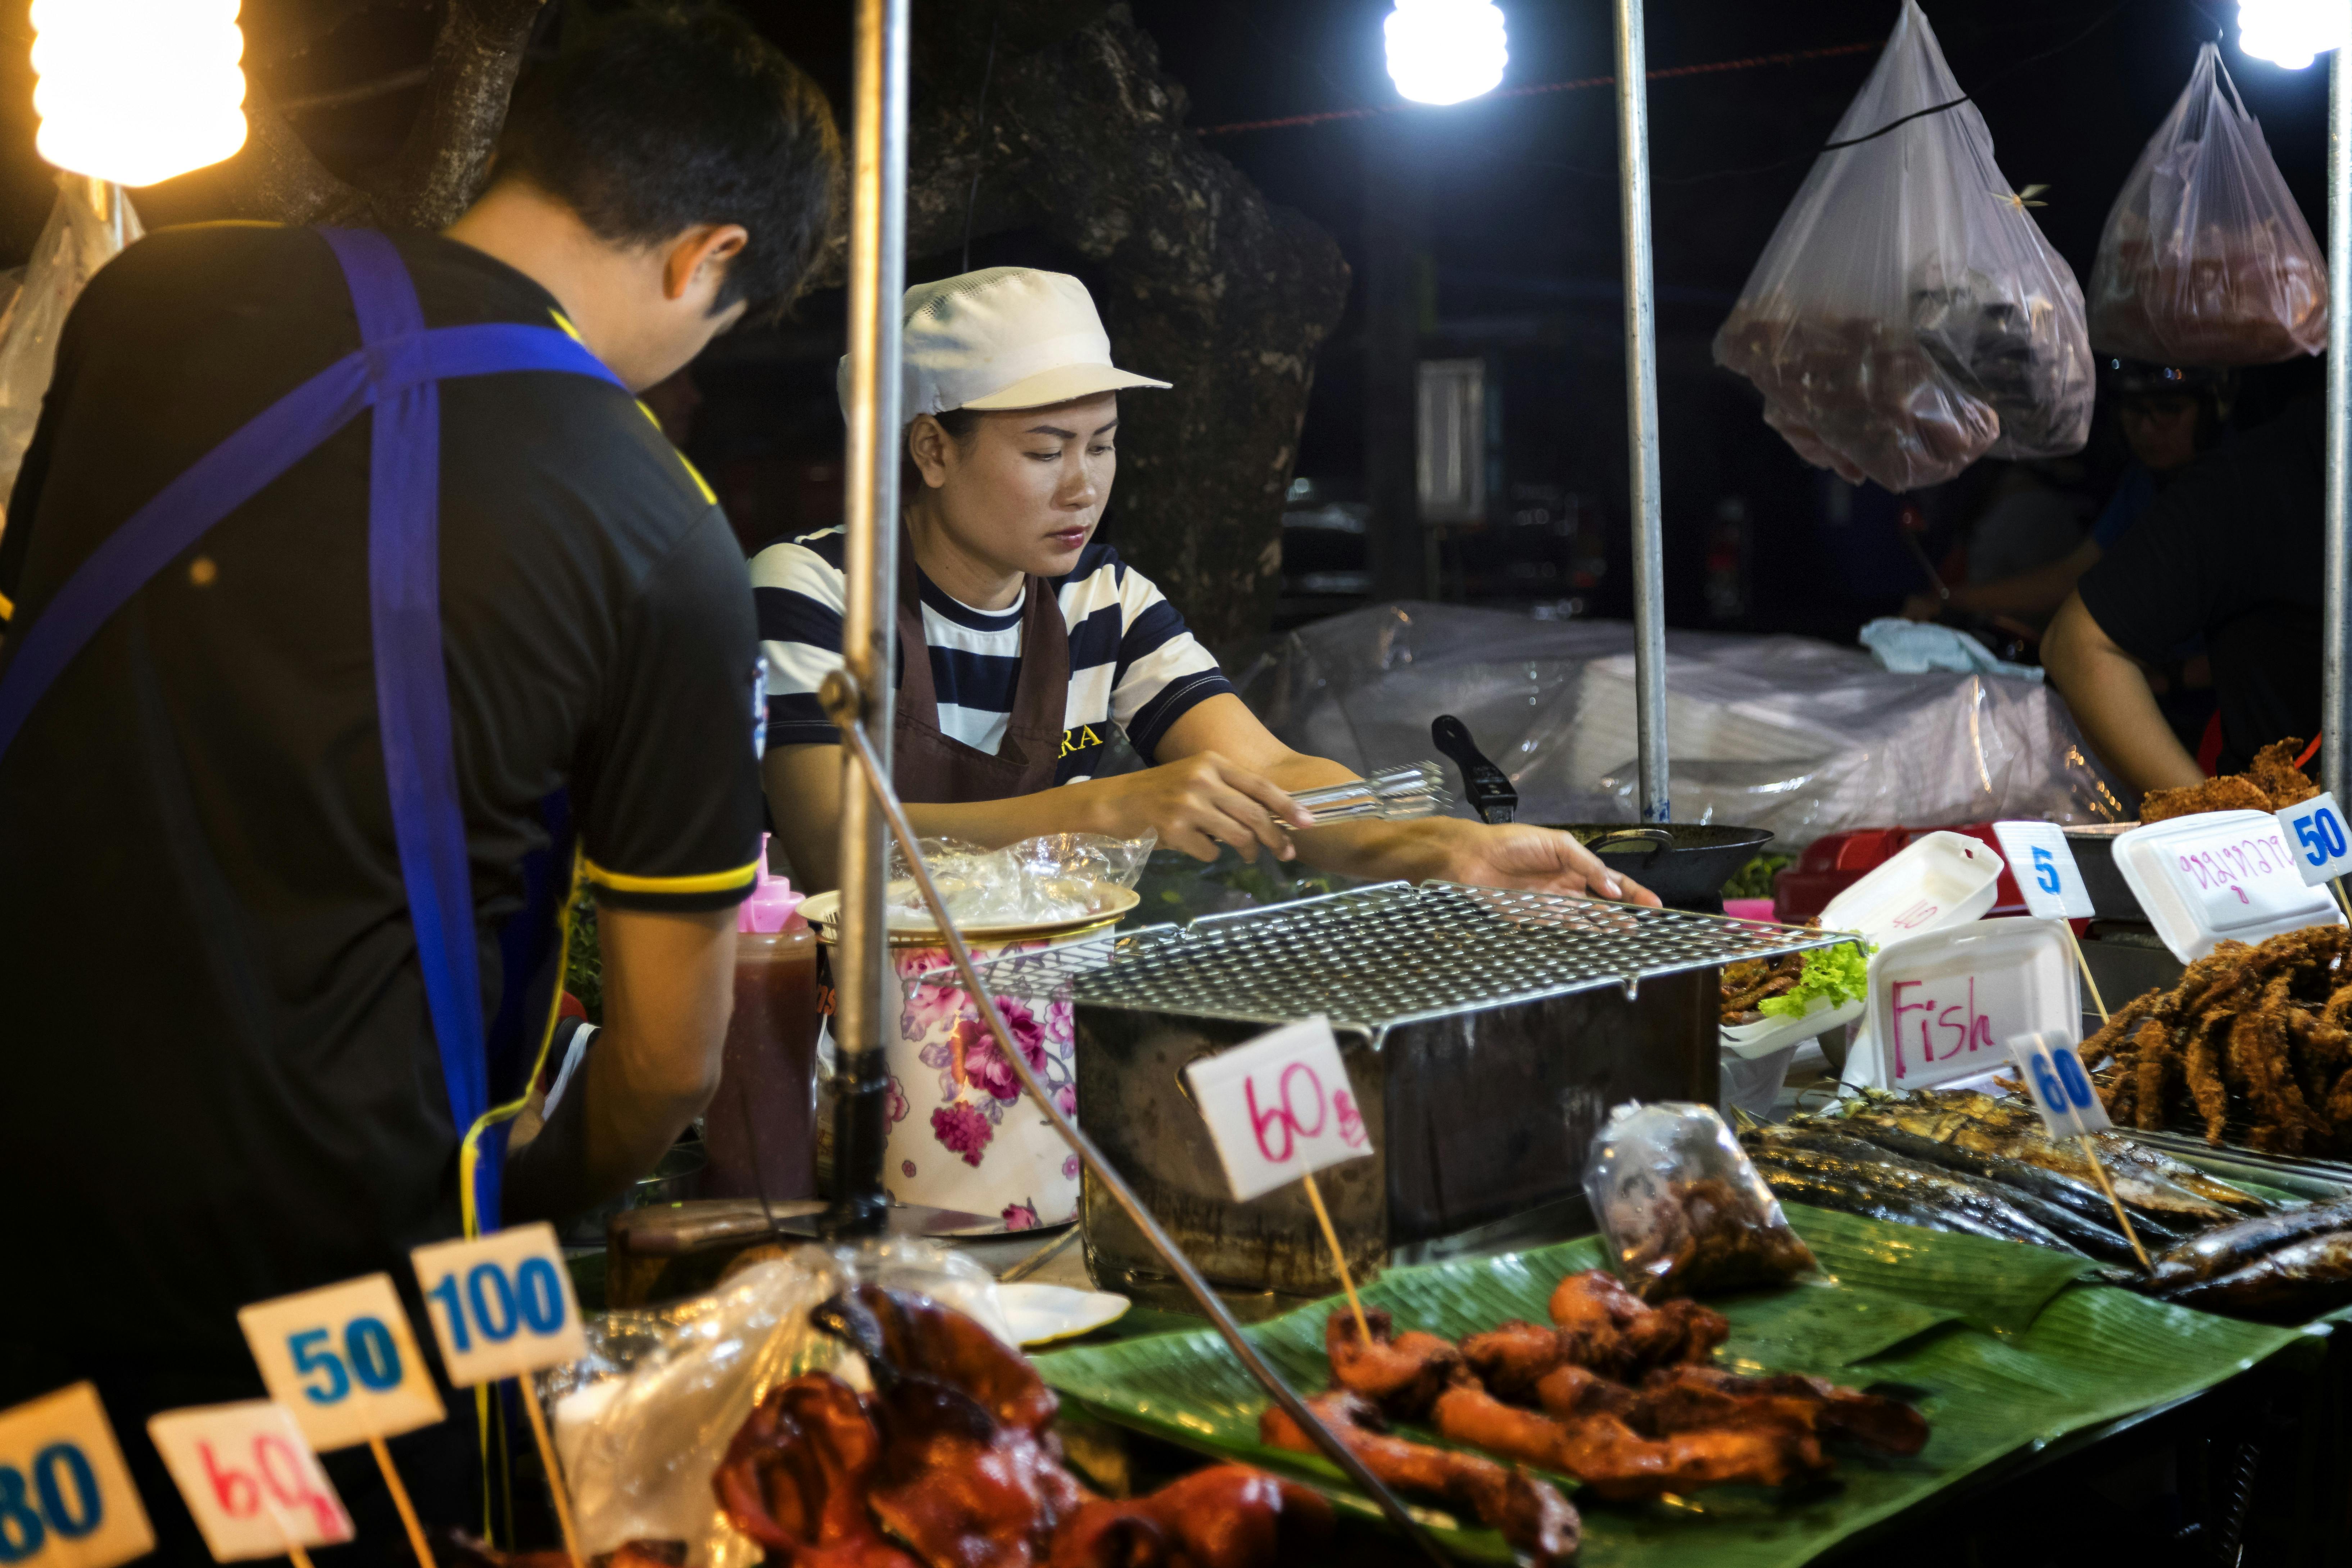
x=1682 y=862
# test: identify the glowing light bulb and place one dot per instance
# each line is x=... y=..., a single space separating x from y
x=138 y=91
x=1444 y=51
x=2289 y=33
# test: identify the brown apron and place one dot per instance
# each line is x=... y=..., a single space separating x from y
x=931 y=767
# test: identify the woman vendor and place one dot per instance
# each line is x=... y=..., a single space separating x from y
x=1038 y=638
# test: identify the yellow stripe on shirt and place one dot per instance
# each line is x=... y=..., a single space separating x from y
x=708 y=882
x=692 y=472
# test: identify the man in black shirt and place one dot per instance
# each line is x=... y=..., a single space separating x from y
x=223 y=1078
x=2233 y=551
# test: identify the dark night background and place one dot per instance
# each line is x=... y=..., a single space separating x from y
x=1518 y=261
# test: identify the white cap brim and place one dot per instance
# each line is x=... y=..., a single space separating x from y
x=1061 y=385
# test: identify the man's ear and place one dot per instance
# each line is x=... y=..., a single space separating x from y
x=696 y=260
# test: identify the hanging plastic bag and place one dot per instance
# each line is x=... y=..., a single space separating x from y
x=75 y=243
x=2206 y=259
x=1907 y=317
x=1681 y=1208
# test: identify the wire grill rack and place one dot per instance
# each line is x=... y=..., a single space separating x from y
x=1374 y=957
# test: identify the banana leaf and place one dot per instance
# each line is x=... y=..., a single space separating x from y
x=1906 y=1307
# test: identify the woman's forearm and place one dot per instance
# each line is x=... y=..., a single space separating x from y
x=2113 y=705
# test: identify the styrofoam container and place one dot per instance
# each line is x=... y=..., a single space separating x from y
x=1944 y=1004
x=1766 y=1036
x=2220 y=875
x=1943 y=880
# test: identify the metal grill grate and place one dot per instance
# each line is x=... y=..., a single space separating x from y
x=1390 y=955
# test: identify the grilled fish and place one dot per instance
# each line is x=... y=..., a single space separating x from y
x=1934 y=1189
x=2240 y=1245
x=2143 y=1192
x=1875 y=1201
x=2054 y=1189
x=2299 y=1280
x=2096 y=1234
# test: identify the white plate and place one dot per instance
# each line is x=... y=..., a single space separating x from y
x=1110 y=903
x=1768 y=1034
x=1041 y=1314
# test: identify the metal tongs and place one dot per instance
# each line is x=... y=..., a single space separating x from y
x=1390 y=794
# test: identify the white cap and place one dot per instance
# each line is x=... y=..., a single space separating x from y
x=1003 y=337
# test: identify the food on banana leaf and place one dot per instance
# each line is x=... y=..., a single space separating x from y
x=2300 y=1280
x=2233 y=1247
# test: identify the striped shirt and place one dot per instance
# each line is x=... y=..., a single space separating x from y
x=1132 y=662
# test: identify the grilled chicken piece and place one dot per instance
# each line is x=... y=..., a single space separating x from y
x=1607 y=1328
x=1228 y=1516
x=1511 y=1359
x=1530 y=1513
x=1683 y=1398
x=1617 y=1462
x=794 y=1477
x=969 y=1474
x=1399 y=1372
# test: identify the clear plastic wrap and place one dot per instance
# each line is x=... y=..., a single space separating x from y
x=74 y=245
x=1785 y=733
x=1908 y=317
x=1038 y=881
x=641 y=1422
x=1680 y=1209
x=2206 y=259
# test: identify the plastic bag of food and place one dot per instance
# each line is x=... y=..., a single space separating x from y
x=1038 y=881
x=1907 y=317
x=2206 y=259
x=642 y=1421
x=1680 y=1209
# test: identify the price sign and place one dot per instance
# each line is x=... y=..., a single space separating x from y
x=251 y=1481
x=343 y=1360
x=2043 y=864
x=2322 y=850
x=2061 y=1089
x=66 y=1496
x=1280 y=1108
x=501 y=1306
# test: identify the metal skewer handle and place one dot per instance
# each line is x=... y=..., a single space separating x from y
x=840 y=696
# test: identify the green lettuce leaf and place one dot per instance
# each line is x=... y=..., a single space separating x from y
x=1841 y=974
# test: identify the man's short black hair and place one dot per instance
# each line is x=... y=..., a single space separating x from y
x=672 y=116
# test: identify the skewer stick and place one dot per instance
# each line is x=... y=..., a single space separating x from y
x=1315 y=1196
x=2085 y=964
x=554 y=1471
x=400 y=1501
x=2091 y=1151
x=2337 y=883
x=294 y=1552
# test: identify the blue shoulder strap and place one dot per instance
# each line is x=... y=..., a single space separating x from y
x=395 y=372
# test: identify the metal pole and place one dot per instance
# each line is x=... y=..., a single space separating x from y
x=1642 y=412
x=865 y=988
x=2336 y=587
x=842 y=702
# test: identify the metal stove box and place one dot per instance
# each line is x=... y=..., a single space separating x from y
x=1486 y=1035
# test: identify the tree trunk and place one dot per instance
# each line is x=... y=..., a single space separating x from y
x=1209 y=285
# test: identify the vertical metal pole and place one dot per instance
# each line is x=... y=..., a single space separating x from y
x=866 y=987
x=1642 y=412
x=2336 y=588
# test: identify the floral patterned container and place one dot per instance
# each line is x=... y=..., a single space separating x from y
x=962 y=1135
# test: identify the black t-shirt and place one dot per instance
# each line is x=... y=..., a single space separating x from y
x=2232 y=551
x=221 y=1083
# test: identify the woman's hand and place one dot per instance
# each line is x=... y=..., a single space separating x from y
x=1195 y=804
x=1521 y=855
